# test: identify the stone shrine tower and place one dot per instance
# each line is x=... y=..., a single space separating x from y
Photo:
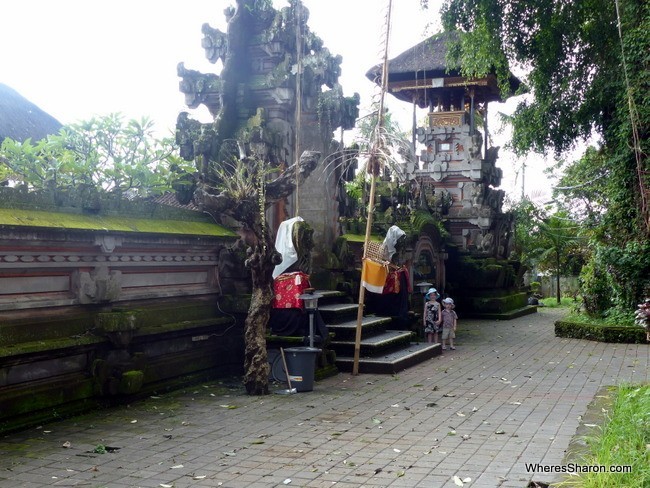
x=455 y=170
x=276 y=96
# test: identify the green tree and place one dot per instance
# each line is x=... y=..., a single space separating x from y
x=548 y=242
x=558 y=237
x=596 y=286
x=592 y=188
x=526 y=216
x=391 y=147
x=587 y=69
x=104 y=153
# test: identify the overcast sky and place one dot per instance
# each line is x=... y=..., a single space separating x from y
x=79 y=58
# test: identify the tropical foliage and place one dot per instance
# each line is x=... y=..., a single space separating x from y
x=104 y=153
x=587 y=67
x=549 y=241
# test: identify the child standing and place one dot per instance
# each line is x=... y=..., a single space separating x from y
x=448 y=320
x=431 y=315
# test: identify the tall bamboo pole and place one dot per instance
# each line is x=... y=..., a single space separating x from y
x=298 y=135
x=374 y=167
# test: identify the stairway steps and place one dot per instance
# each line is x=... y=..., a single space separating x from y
x=335 y=313
x=392 y=362
x=332 y=296
x=382 y=351
x=375 y=344
x=339 y=307
x=347 y=330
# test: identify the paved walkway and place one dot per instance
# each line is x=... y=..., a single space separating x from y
x=512 y=393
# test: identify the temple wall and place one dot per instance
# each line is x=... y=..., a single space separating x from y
x=93 y=317
x=288 y=100
x=39 y=271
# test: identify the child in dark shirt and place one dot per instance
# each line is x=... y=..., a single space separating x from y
x=431 y=315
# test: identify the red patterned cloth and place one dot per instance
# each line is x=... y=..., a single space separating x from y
x=288 y=287
x=393 y=281
x=409 y=287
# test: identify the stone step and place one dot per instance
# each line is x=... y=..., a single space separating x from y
x=346 y=331
x=335 y=313
x=375 y=344
x=329 y=297
x=392 y=362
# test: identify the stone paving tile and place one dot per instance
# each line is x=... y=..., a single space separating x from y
x=512 y=392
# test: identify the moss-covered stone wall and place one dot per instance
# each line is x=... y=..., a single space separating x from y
x=85 y=359
x=104 y=303
x=13 y=217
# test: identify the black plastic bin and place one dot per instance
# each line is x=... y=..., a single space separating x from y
x=301 y=363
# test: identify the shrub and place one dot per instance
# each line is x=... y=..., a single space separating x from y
x=601 y=333
x=596 y=287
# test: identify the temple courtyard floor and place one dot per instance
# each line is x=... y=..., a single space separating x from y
x=511 y=396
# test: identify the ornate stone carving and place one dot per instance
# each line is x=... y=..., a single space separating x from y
x=108 y=243
x=260 y=66
x=446 y=119
x=200 y=88
x=99 y=286
x=215 y=43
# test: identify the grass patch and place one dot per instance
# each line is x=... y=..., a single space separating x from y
x=624 y=440
x=616 y=319
x=615 y=325
x=613 y=316
x=565 y=302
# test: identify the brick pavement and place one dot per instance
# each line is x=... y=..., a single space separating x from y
x=512 y=393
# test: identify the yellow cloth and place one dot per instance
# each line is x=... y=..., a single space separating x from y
x=373 y=275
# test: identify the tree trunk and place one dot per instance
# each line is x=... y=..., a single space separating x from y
x=261 y=261
x=557 y=278
x=256 y=364
x=262 y=256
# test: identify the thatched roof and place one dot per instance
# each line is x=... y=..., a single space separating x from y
x=21 y=119
x=425 y=57
x=413 y=72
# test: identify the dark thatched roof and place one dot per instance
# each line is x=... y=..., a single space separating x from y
x=20 y=119
x=413 y=72
x=427 y=56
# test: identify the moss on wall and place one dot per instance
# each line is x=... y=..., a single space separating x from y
x=361 y=237
x=117 y=321
x=32 y=347
x=69 y=221
x=40 y=329
x=481 y=273
x=32 y=334
x=131 y=382
x=103 y=204
x=235 y=303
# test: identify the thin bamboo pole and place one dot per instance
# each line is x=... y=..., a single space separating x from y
x=298 y=14
x=373 y=164
x=362 y=290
